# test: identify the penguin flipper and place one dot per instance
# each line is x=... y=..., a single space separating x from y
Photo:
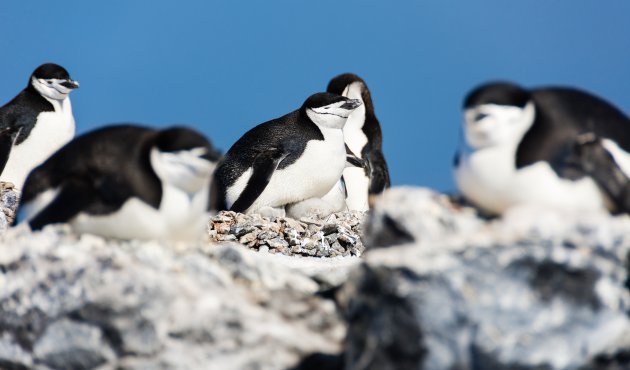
x=6 y=142
x=379 y=174
x=352 y=160
x=73 y=197
x=263 y=167
x=594 y=160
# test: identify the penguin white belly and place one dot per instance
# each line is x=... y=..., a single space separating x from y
x=312 y=175
x=52 y=131
x=180 y=217
x=357 y=185
x=489 y=179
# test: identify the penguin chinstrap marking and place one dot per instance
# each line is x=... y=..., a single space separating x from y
x=36 y=123
x=553 y=147
x=363 y=136
x=298 y=156
x=125 y=181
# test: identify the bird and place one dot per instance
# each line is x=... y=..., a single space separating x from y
x=125 y=181
x=287 y=160
x=36 y=123
x=363 y=137
x=558 y=147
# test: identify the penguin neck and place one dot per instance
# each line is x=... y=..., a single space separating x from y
x=61 y=106
x=354 y=130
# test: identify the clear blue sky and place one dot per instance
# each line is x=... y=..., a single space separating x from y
x=226 y=66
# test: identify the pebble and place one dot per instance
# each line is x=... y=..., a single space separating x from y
x=334 y=235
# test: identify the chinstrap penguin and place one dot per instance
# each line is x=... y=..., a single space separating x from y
x=287 y=160
x=362 y=134
x=125 y=181
x=36 y=123
x=553 y=147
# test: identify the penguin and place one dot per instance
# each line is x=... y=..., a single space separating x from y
x=556 y=147
x=126 y=182
x=362 y=135
x=36 y=123
x=298 y=156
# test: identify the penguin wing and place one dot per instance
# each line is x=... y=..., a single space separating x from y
x=72 y=198
x=352 y=160
x=264 y=165
x=378 y=172
x=590 y=157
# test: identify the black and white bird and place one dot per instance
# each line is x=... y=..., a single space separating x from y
x=36 y=123
x=125 y=181
x=554 y=147
x=287 y=160
x=362 y=135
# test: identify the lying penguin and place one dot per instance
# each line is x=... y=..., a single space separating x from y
x=554 y=147
x=36 y=123
x=287 y=160
x=126 y=182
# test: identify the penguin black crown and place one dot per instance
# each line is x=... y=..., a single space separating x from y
x=36 y=123
x=298 y=156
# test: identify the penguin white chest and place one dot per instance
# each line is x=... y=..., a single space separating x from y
x=312 y=175
x=179 y=217
x=51 y=131
x=489 y=178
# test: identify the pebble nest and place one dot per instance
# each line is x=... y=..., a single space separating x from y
x=338 y=234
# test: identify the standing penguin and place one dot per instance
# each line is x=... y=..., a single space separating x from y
x=124 y=181
x=362 y=134
x=36 y=123
x=556 y=147
x=287 y=160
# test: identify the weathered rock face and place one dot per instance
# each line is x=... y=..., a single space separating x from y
x=437 y=288
x=9 y=198
x=534 y=290
x=69 y=302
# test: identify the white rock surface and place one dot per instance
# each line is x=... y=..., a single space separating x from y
x=71 y=302
x=534 y=290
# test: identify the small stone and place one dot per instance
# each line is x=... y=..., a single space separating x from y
x=264 y=249
x=329 y=228
x=277 y=243
x=222 y=228
x=266 y=235
x=247 y=238
x=242 y=230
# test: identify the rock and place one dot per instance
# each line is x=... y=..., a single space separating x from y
x=534 y=290
x=285 y=235
x=69 y=345
x=9 y=200
x=83 y=302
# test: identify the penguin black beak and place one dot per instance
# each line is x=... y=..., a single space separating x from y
x=70 y=84
x=351 y=104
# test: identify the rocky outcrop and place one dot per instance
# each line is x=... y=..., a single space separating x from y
x=533 y=290
x=439 y=287
x=71 y=302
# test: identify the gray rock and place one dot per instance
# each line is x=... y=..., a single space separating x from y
x=72 y=302
x=534 y=290
x=69 y=345
x=284 y=235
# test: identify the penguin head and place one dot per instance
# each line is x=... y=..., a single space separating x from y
x=52 y=81
x=329 y=110
x=350 y=86
x=497 y=114
x=183 y=158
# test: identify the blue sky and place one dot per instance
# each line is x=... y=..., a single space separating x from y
x=225 y=66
